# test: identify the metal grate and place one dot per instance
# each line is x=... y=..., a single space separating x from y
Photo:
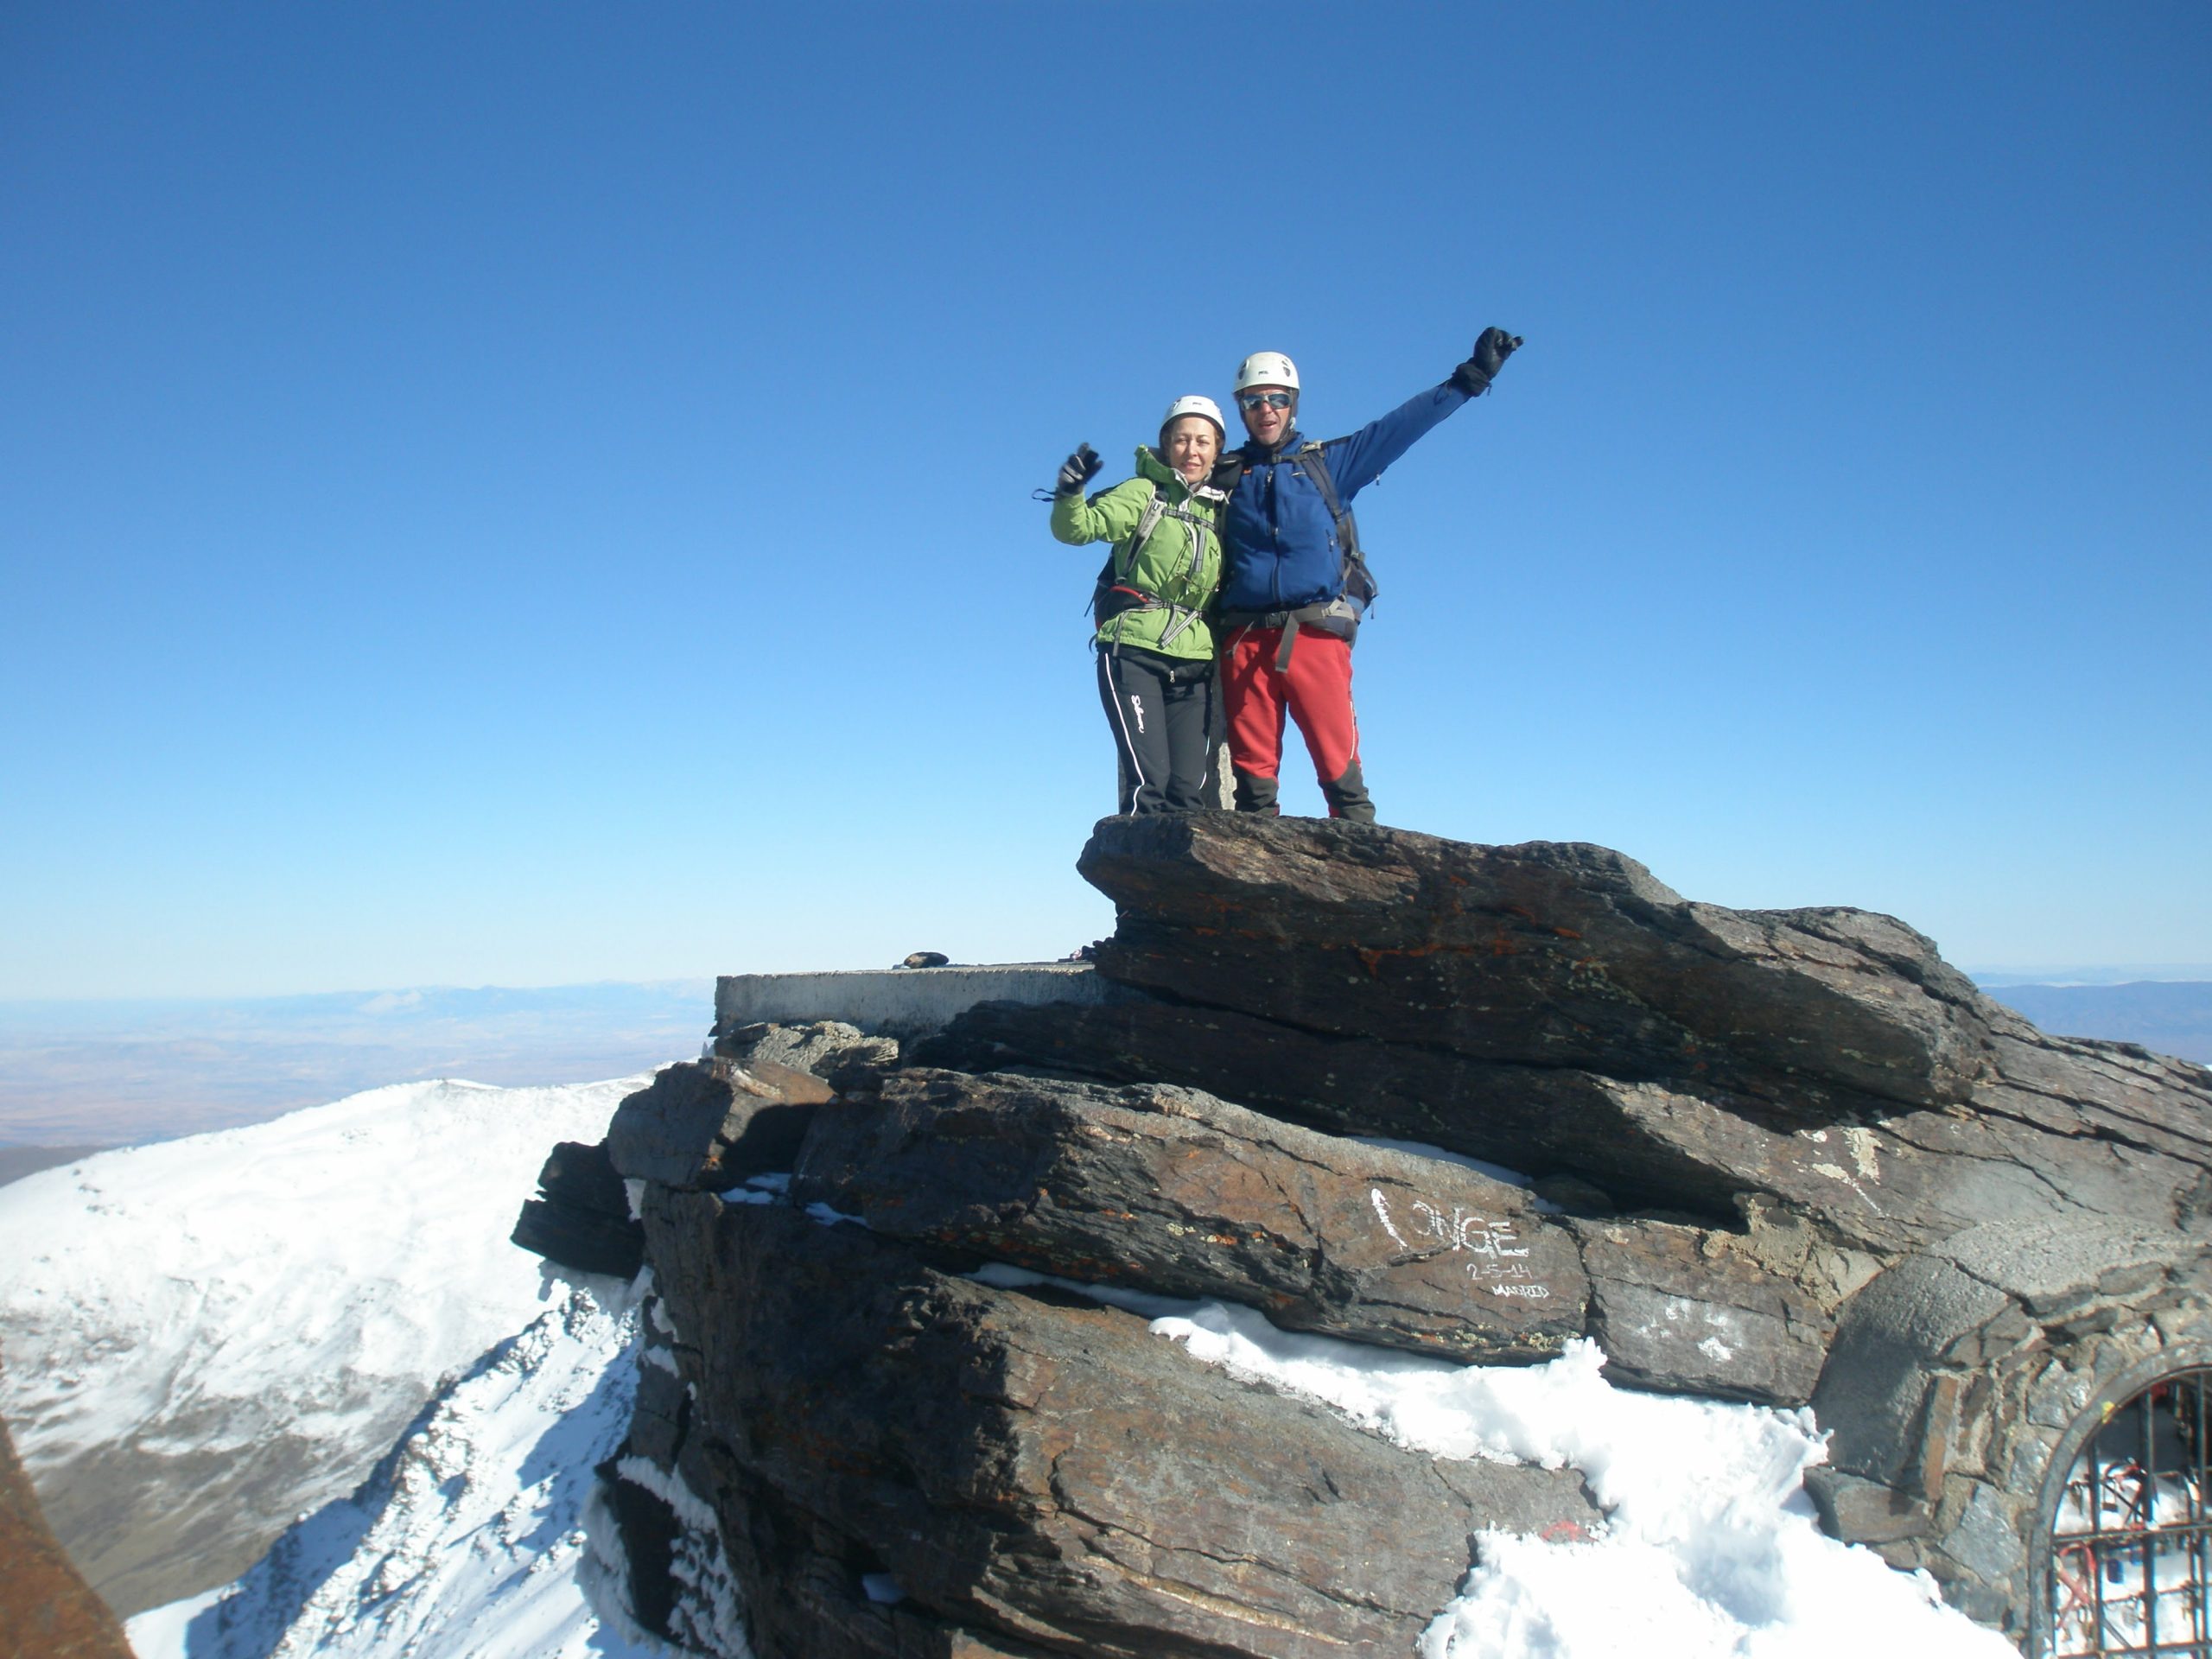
x=2131 y=1547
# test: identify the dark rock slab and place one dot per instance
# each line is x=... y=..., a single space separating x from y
x=1554 y=1008
x=1685 y=1310
x=1045 y=1471
x=1549 y=953
x=1542 y=1121
x=1173 y=1191
x=706 y=1125
x=581 y=1218
x=1649 y=1145
x=808 y=1587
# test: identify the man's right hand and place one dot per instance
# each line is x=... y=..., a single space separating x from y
x=1078 y=470
x=1492 y=349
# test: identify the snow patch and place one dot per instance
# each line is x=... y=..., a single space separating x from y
x=690 y=1508
x=1709 y=1551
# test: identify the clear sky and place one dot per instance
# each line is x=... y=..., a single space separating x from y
x=526 y=494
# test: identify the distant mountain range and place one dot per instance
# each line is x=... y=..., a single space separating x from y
x=78 y=1076
x=127 y=1072
x=2171 y=1016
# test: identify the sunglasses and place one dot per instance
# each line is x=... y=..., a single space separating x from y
x=1272 y=399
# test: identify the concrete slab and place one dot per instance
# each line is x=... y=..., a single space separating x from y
x=900 y=1001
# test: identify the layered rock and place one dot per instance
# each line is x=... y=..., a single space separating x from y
x=1842 y=1109
x=1556 y=1008
x=580 y=1216
x=1548 y=954
x=711 y=1124
x=1040 y=1467
x=902 y=1459
x=1170 y=1190
x=1787 y=1155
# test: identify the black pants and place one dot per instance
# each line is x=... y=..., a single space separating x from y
x=1166 y=716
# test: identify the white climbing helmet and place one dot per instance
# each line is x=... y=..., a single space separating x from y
x=1194 y=405
x=1266 y=369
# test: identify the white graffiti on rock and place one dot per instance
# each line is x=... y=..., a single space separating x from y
x=1499 y=1264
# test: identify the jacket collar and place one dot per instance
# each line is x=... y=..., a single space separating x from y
x=1150 y=465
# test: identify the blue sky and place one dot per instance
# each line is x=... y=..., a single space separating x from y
x=504 y=493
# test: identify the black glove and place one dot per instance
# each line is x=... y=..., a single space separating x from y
x=1473 y=377
x=1078 y=470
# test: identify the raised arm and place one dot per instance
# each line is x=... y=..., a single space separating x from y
x=1356 y=462
x=1105 y=518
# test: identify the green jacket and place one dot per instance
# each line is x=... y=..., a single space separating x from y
x=1165 y=567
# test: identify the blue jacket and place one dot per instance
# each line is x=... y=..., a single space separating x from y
x=1281 y=541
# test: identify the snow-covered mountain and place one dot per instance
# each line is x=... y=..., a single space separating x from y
x=478 y=1533
x=208 y=1337
x=289 y=1286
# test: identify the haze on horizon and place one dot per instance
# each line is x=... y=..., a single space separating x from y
x=503 y=497
x=75 y=1075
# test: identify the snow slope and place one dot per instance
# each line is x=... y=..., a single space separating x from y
x=207 y=1337
x=476 y=1534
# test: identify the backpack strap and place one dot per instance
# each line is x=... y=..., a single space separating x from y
x=1357 y=583
x=1109 y=597
x=1309 y=459
x=1148 y=521
x=1114 y=595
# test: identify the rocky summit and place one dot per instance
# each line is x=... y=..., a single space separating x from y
x=1458 y=1101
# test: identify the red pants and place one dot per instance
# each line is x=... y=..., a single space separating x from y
x=1315 y=690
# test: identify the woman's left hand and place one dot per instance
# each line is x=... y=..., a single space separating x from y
x=1078 y=470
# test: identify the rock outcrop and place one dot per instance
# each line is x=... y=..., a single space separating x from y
x=1165 y=1189
x=709 y=1126
x=1038 y=1468
x=580 y=1218
x=1774 y=1156
x=1555 y=1008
